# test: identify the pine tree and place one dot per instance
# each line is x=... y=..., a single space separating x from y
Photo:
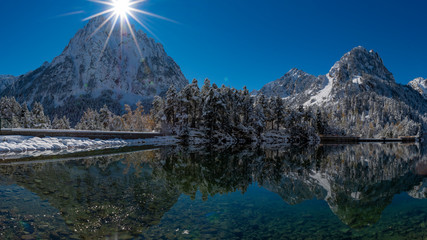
x=158 y=113
x=39 y=119
x=206 y=87
x=105 y=118
x=89 y=121
x=60 y=123
x=320 y=123
x=26 y=117
x=259 y=121
x=138 y=117
x=171 y=106
x=10 y=111
x=278 y=110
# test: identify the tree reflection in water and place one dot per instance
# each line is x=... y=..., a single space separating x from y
x=126 y=194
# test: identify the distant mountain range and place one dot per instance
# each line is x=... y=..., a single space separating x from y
x=85 y=75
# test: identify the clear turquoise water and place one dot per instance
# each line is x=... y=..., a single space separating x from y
x=331 y=192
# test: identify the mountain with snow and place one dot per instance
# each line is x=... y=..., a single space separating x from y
x=6 y=81
x=358 y=71
x=90 y=73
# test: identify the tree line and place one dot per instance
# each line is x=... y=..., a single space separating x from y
x=226 y=114
x=15 y=115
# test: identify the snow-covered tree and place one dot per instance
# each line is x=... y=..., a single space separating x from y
x=89 y=121
x=171 y=106
x=26 y=116
x=133 y=118
x=105 y=118
x=39 y=120
x=158 y=114
x=60 y=123
x=225 y=114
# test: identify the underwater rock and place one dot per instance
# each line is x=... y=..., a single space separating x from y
x=27 y=237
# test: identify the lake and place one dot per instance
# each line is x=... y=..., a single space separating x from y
x=365 y=191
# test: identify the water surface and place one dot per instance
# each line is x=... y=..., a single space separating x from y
x=368 y=191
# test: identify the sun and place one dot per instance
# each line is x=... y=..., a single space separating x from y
x=121 y=7
x=121 y=11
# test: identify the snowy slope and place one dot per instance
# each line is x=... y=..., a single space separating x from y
x=323 y=95
x=86 y=76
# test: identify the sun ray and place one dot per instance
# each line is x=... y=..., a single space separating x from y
x=102 y=24
x=103 y=2
x=120 y=13
x=71 y=13
x=142 y=24
x=151 y=14
x=133 y=35
x=109 y=35
x=99 y=14
x=136 y=2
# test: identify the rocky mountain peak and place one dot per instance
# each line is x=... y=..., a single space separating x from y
x=91 y=72
x=360 y=62
x=295 y=72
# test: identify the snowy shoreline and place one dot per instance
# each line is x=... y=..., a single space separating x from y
x=15 y=145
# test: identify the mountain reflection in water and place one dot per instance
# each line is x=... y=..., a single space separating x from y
x=185 y=193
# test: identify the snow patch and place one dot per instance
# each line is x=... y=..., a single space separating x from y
x=27 y=145
x=419 y=85
x=323 y=95
x=357 y=80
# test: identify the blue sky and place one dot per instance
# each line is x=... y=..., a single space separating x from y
x=235 y=42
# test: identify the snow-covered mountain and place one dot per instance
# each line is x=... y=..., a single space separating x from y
x=87 y=75
x=6 y=80
x=358 y=71
x=358 y=97
x=419 y=85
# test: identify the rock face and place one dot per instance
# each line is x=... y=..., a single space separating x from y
x=6 y=81
x=419 y=85
x=358 y=71
x=296 y=85
x=87 y=75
